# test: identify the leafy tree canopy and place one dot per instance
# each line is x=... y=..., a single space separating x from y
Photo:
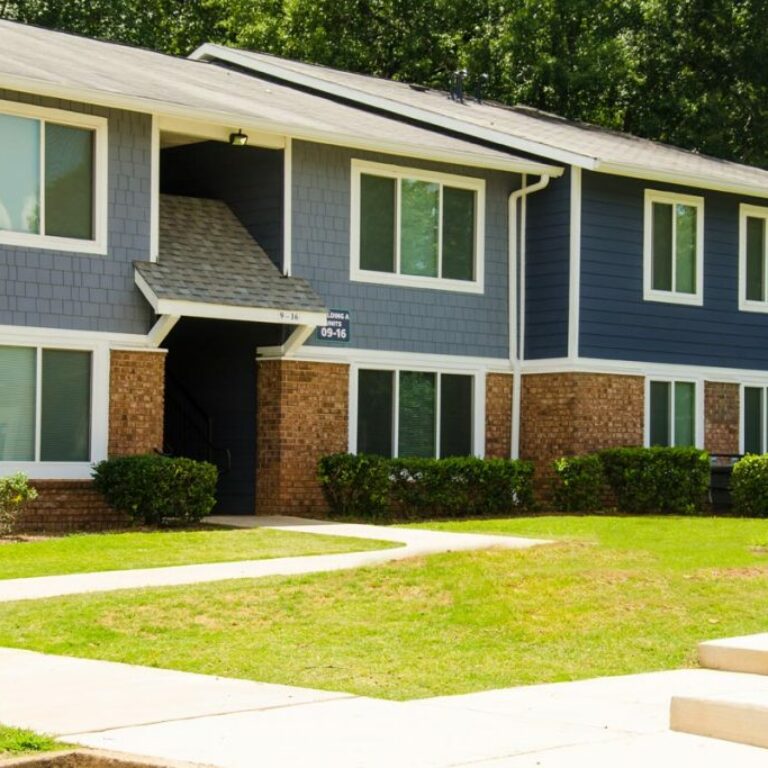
x=688 y=72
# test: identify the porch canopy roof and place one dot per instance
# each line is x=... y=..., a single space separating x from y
x=210 y=266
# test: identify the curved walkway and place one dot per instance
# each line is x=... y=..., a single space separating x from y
x=416 y=542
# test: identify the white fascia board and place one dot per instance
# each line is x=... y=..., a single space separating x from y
x=639 y=368
x=210 y=52
x=14 y=335
x=247 y=123
x=682 y=179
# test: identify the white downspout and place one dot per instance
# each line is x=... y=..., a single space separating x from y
x=517 y=253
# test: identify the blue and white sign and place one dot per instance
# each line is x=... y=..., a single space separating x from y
x=337 y=327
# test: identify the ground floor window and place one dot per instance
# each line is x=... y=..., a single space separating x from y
x=45 y=404
x=414 y=413
x=672 y=412
x=754 y=420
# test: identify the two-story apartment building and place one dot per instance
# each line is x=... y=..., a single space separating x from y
x=255 y=261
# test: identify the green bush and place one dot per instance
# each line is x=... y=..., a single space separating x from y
x=156 y=489
x=657 y=480
x=581 y=484
x=749 y=486
x=372 y=487
x=15 y=493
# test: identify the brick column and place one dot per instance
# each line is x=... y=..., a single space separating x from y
x=566 y=414
x=136 y=401
x=721 y=417
x=498 y=415
x=302 y=414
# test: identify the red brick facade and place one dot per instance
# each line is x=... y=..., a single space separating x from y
x=565 y=414
x=721 y=417
x=498 y=415
x=302 y=415
x=136 y=401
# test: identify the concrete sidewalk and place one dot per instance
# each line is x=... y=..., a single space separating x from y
x=416 y=542
x=598 y=723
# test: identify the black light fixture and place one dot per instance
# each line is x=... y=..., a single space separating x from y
x=238 y=139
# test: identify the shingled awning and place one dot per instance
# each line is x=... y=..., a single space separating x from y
x=210 y=266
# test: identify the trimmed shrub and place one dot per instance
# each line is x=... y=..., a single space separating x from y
x=15 y=494
x=657 y=480
x=749 y=486
x=414 y=488
x=155 y=489
x=581 y=484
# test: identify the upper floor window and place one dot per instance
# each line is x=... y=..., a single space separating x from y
x=671 y=413
x=45 y=404
x=753 y=270
x=52 y=178
x=673 y=247
x=416 y=228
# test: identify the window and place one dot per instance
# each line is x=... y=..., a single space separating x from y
x=414 y=413
x=754 y=420
x=753 y=269
x=416 y=229
x=52 y=178
x=673 y=248
x=672 y=413
x=45 y=404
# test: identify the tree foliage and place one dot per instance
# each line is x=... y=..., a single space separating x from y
x=688 y=72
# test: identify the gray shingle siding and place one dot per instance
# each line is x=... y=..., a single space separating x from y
x=387 y=317
x=56 y=289
x=547 y=270
x=616 y=323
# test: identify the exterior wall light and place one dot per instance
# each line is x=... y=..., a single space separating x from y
x=238 y=139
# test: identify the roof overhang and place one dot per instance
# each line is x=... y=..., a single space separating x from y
x=202 y=309
x=234 y=119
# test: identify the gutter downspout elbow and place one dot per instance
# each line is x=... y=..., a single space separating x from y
x=517 y=334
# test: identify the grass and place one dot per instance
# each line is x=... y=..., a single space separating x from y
x=116 y=551
x=615 y=596
x=17 y=742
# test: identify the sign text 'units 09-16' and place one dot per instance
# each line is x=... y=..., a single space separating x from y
x=337 y=327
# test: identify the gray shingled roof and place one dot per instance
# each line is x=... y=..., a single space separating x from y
x=520 y=128
x=77 y=68
x=206 y=255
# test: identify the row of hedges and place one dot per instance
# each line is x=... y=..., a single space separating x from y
x=376 y=488
x=635 y=480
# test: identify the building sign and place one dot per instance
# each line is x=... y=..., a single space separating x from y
x=337 y=326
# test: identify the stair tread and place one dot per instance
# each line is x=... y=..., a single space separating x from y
x=747 y=642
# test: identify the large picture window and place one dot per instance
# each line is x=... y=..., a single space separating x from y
x=673 y=247
x=753 y=258
x=45 y=404
x=417 y=229
x=52 y=178
x=414 y=413
x=672 y=413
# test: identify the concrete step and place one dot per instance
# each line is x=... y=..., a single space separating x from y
x=741 y=718
x=736 y=654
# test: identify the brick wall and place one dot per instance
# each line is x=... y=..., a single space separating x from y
x=498 y=415
x=301 y=415
x=136 y=401
x=721 y=417
x=564 y=414
x=63 y=506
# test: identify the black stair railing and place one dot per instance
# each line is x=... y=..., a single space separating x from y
x=189 y=427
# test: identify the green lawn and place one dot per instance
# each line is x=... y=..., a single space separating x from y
x=17 y=742
x=114 y=551
x=616 y=596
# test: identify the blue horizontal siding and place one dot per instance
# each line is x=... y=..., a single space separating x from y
x=617 y=324
x=547 y=270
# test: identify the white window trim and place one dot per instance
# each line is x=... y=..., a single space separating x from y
x=99 y=431
x=742 y=413
x=415 y=281
x=698 y=408
x=97 y=245
x=478 y=402
x=672 y=297
x=750 y=305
